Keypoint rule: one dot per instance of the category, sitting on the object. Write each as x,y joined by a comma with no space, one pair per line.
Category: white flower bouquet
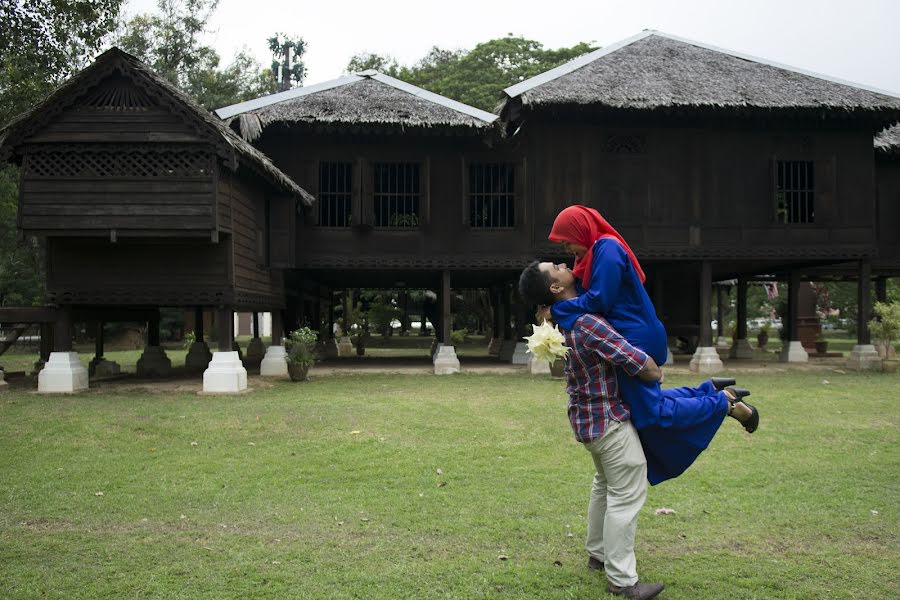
546,343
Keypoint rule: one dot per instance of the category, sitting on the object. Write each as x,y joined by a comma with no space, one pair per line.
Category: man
601,422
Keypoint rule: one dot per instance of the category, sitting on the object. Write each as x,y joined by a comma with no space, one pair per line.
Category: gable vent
117,94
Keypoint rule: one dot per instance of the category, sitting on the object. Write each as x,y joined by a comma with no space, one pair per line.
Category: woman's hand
543,314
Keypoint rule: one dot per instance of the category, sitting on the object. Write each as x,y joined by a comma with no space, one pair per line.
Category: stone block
274,363
63,374
494,346
225,374
256,350
345,347
154,363
106,368
507,349
741,350
864,357
446,361
794,352
706,361
198,357
537,366
520,354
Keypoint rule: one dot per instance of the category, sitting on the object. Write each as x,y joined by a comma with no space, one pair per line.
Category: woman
674,429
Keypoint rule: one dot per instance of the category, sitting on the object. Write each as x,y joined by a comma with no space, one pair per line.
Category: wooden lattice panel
117,94
118,164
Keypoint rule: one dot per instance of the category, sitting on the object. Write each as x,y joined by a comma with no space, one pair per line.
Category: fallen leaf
442,484
364,520
825,382
194,444
98,493
182,517
570,534
665,511
355,432
558,563
874,512
275,562
250,444
503,557
440,471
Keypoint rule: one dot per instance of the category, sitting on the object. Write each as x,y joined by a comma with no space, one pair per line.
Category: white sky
856,40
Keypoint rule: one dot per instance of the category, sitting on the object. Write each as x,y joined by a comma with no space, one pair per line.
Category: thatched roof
654,71
230,147
368,98
887,141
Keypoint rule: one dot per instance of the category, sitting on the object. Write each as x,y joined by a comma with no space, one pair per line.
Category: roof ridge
433,97
262,101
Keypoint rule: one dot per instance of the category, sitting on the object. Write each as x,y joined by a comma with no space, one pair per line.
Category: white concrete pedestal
445,360
494,346
154,363
706,361
225,375
741,349
864,358
256,350
273,363
722,341
670,358
105,368
537,366
198,357
345,347
507,349
3,384
793,352
520,354
63,374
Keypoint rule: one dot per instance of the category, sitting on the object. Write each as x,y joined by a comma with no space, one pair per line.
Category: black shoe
752,423
638,591
595,564
720,383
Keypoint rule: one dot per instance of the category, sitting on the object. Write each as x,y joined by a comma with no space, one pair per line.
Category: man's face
560,276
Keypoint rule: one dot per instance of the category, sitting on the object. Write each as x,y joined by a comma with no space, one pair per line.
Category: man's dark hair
534,285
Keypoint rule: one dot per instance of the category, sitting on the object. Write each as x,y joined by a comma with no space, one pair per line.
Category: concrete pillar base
864,358
507,349
345,347
3,384
63,374
722,341
706,361
537,366
225,375
445,360
494,346
256,350
328,348
741,350
520,354
273,363
793,352
198,357
154,363
38,366
105,368
670,358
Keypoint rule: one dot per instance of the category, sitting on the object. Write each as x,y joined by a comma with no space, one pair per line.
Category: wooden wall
888,180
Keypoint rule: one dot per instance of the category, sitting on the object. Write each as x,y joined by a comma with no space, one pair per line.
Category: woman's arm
608,269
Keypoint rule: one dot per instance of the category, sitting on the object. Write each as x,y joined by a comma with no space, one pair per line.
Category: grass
386,486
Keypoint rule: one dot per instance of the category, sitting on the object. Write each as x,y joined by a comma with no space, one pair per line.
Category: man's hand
543,314
651,371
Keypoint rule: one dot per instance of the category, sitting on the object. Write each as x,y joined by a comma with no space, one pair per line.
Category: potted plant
762,338
821,344
300,345
886,330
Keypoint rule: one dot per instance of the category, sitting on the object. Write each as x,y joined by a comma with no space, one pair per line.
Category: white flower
546,343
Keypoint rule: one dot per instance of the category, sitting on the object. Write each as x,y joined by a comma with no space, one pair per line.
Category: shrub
301,345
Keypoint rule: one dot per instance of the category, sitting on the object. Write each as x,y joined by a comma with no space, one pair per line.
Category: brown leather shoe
595,564
638,591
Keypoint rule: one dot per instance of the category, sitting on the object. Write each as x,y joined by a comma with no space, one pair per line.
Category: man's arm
600,337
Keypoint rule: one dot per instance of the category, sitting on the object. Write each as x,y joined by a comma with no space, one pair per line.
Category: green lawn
392,487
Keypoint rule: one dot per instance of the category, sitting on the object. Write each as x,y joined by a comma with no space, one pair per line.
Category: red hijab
584,226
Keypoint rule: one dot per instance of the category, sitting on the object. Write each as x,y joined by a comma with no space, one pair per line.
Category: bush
301,345
458,336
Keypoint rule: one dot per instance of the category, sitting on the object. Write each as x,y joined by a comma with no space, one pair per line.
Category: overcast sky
854,40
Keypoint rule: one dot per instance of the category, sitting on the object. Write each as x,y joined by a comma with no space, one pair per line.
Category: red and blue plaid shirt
595,350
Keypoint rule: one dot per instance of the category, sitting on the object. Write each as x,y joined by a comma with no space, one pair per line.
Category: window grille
492,198
397,194
122,164
795,192
335,194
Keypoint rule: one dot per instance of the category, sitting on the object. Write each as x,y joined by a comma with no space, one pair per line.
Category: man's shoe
638,591
595,564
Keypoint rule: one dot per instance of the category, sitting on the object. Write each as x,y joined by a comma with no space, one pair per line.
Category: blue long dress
675,425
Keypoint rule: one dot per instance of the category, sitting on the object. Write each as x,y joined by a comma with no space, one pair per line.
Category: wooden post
98,341
225,328
742,309
793,306
881,289
720,311
153,331
198,324
62,334
705,304
277,328
864,303
446,318
47,331
255,324
496,330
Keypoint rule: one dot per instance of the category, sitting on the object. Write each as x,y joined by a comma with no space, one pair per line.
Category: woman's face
574,249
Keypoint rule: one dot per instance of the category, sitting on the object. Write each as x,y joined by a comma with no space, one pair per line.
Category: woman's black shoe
720,383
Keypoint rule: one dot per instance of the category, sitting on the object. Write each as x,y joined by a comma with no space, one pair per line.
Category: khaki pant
617,495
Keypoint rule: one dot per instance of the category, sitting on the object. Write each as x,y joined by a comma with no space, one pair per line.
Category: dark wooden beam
793,306
225,328
278,328
742,309
864,303
446,317
29,315
198,324
705,304
62,333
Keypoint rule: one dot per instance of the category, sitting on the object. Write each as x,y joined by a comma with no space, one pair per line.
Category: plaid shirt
596,349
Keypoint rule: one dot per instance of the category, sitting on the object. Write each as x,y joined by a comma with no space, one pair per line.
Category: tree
169,42
475,77
42,42
287,60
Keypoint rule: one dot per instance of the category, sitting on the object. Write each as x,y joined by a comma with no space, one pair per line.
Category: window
396,194
492,198
335,194
795,191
